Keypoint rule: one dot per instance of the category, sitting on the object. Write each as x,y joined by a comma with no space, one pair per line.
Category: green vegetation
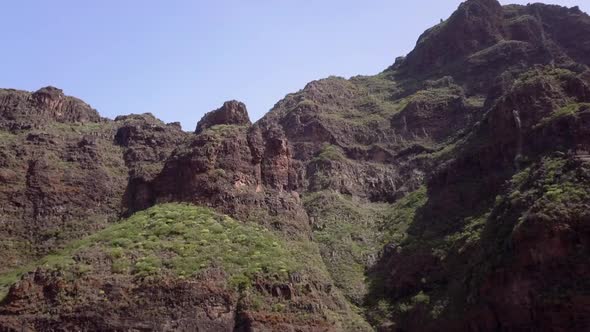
310,262
9,278
305,103
346,232
419,299
351,233
181,240
65,170
330,152
501,47
555,189
447,151
551,75
432,33
223,130
379,101
380,312
184,239
362,100
436,95
570,110
465,238
402,214
6,137
476,101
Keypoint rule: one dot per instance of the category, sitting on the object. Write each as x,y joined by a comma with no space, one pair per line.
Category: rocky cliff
449,192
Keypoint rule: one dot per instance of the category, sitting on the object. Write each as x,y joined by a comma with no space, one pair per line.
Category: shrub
181,239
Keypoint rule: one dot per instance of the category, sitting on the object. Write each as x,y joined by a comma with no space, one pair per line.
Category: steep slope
229,165
449,192
483,43
134,258
64,169
478,96
500,241
173,267
60,176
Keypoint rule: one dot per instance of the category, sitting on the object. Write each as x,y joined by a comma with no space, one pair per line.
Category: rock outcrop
64,169
449,192
62,178
231,113
24,110
147,144
483,43
231,166
202,304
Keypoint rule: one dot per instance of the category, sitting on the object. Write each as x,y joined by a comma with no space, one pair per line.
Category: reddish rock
24,110
231,113
237,170
486,95
119,303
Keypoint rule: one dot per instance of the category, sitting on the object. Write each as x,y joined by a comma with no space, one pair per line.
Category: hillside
449,192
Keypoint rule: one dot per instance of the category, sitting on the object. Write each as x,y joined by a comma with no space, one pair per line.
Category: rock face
506,231
199,305
449,192
475,26
204,303
23,110
64,170
114,281
483,42
231,113
147,143
234,167
61,176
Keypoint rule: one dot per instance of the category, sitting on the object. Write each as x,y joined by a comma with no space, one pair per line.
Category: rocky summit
450,192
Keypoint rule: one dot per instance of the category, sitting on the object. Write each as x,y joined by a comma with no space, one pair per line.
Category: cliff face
64,169
61,177
503,219
449,192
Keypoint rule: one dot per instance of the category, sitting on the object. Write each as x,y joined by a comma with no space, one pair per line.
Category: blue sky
179,59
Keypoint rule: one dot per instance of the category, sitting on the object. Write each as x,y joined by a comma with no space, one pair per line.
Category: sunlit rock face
449,192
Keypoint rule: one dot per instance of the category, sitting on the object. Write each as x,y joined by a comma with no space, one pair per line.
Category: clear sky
181,58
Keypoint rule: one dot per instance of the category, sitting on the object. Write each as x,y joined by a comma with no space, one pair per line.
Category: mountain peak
442,195
232,112
476,24
48,95
49,91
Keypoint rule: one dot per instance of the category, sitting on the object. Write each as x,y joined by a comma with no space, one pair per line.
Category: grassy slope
350,234
178,239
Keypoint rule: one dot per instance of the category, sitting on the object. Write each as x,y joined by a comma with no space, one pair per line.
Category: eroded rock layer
449,192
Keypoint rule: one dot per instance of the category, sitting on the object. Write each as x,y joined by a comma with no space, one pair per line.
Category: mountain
450,192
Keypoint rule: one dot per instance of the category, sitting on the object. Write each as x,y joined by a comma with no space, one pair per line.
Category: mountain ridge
448,192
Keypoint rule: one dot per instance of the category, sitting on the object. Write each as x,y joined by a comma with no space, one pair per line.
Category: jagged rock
231,113
521,242
234,169
483,40
203,304
469,157
68,178
476,25
21,110
148,142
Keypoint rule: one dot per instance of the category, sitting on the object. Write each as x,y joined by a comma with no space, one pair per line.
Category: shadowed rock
231,113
